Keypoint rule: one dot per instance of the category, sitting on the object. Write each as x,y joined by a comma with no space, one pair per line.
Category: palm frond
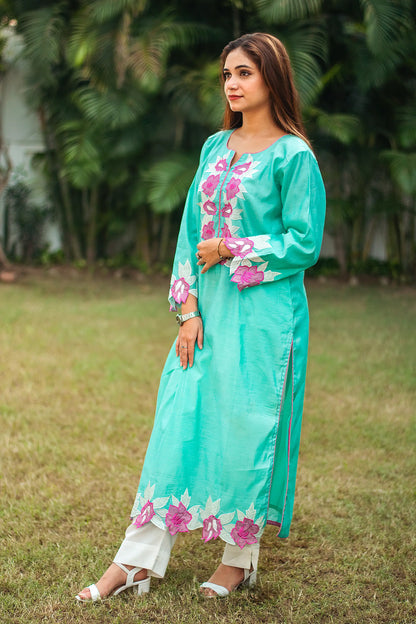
155,40
342,127
283,11
42,32
196,94
81,152
110,109
168,181
406,117
370,70
385,22
103,10
403,170
307,45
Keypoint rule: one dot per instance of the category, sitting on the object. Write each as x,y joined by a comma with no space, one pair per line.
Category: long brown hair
272,59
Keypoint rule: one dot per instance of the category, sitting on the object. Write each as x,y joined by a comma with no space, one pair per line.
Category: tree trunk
341,250
3,258
51,148
143,237
91,210
164,237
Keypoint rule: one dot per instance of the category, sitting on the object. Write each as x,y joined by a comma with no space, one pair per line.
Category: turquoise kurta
224,448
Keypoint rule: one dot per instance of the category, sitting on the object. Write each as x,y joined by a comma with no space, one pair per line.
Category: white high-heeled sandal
138,587
221,592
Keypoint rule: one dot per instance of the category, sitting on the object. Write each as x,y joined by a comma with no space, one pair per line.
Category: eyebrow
238,67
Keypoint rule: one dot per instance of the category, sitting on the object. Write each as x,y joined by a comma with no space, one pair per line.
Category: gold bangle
218,249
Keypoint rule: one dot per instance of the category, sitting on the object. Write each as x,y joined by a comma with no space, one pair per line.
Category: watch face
179,319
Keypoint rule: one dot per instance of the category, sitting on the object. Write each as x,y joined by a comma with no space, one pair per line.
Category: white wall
21,129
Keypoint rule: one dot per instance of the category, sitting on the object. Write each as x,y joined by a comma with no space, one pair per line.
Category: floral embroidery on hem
244,532
211,528
177,519
179,516
145,515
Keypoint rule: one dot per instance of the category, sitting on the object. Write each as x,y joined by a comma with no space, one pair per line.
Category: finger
191,351
177,346
200,337
183,355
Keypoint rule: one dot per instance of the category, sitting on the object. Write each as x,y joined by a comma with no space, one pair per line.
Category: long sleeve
184,280
275,256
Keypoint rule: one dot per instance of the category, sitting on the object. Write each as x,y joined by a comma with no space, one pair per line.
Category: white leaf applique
251,512
185,271
159,522
185,498
261,241
195,523
226,518
211,508
149,492
270,275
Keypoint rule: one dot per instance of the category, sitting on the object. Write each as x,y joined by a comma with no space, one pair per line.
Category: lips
234,97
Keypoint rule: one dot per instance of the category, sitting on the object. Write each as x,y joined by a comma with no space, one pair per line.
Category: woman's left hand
207,253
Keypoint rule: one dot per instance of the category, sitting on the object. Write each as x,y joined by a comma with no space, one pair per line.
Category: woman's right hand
190,332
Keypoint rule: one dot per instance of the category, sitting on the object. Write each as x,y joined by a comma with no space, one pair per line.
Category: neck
257,123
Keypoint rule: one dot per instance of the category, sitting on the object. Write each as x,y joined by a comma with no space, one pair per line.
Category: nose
232,83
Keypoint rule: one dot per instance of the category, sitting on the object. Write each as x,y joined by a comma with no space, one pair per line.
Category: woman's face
244,86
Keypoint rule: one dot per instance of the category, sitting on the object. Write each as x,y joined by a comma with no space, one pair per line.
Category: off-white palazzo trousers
149,547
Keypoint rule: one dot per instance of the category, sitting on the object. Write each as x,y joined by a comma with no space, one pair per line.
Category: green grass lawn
80,365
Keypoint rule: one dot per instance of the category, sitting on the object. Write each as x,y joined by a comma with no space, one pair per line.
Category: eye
244,72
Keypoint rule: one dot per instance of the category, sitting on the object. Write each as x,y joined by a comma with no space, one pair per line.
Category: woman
224,448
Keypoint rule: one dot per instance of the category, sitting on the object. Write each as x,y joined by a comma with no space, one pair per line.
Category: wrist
223,250
182,318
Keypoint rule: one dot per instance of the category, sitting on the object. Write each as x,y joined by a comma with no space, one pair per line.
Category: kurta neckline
230,132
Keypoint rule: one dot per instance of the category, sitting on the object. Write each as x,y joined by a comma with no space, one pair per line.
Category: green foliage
283,11
127,90
26,218
168,181
403,170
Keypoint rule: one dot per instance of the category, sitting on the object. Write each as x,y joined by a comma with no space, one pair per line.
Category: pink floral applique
225,231
209,207
242,168
227,210
146,514
232,187
180,290
244,532
210,184
246,276
221,165
177,519
211,529
208,230
239,246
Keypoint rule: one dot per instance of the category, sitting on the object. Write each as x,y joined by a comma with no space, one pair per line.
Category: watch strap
181,318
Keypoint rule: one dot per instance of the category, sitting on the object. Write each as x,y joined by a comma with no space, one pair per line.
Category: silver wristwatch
181,318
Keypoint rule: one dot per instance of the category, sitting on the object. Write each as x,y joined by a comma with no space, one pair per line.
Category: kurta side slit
224,447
